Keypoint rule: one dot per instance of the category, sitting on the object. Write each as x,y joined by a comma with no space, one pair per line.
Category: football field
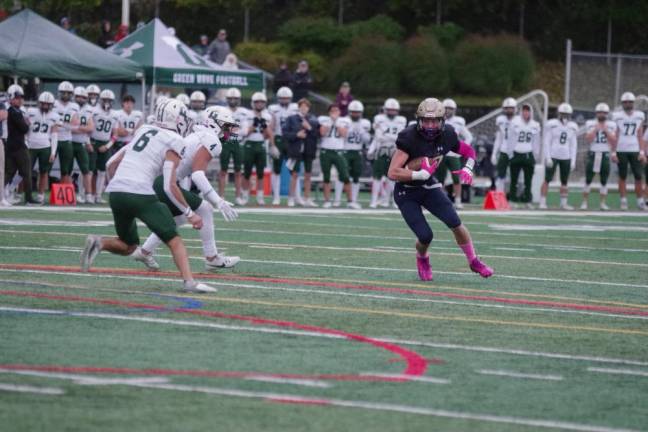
325,326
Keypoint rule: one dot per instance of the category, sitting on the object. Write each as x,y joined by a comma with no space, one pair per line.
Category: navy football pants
411,199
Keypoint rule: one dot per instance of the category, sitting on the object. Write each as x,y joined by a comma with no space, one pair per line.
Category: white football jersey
86,112
628,129
280,113
459,125
503,140
241,115
257,134
40,127
130,122
196,116
200,137
333,140
560,139
66,113
525,136
600,142
143,160
358,135
104,123
386,129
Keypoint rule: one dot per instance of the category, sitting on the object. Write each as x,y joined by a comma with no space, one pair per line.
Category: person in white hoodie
525,144
560,144
502,153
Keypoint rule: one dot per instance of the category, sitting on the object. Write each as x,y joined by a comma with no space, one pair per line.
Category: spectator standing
231,62
219,48
67,25
122,32
17,155
283,77
105,39
3,137
302,80
344,98
202,46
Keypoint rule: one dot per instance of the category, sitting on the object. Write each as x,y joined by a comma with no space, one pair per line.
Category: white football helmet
449,103
628,97
93,93
15,91
66,86
356,106
565,108
197,100
430,108
221,121
391,104
171,114
258,97
233,93
284,93
80,95
509,102
107,97
182,97
46,101
602,107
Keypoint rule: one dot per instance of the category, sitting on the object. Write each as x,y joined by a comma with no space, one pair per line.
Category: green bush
321,35
267,56
426,70
379,25
493,65
371,65
447,34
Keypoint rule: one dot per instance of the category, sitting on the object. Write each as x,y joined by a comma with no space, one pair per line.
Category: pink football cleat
424,268
479,267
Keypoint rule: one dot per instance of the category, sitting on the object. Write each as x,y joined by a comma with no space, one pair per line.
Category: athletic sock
543,201
338,191
355,190
563,200
206,212
275,181
468,250
375,190
101,182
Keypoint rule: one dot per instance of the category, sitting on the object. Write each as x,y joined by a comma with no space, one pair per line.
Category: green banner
201,78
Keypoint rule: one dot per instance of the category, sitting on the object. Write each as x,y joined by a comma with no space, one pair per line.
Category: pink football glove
465,175
431,168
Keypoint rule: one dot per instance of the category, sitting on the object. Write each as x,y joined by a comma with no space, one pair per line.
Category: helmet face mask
45,102
45,107
65,96
284,101
259,105
106,104
627,105
197,105
355,115
198,101
430,118
449,112
221,122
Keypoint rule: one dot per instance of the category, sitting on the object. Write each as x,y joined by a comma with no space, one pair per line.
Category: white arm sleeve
498,142
54,142
546,148
201,182
167,172
572,148
467,136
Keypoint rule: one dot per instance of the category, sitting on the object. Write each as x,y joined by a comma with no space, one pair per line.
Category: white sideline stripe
519,375
540,354
54,391
592,228
513,249
619,371
524,258
294,381
559,356
415,299
253,246
423,379
88,379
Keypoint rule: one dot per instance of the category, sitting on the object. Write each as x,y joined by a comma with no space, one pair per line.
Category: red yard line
375,288
415,363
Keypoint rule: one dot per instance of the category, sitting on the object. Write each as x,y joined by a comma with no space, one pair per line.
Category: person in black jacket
283,77
302,80
301,133
17,155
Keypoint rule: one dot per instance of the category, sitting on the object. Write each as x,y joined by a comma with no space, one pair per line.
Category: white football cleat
99,199
291,202
373,205
566,207
310,203
4,203
530,206
584,205
542,206
80,199
300,201
604,207
276,201
239,201
221,261
327,204
260,200
624,204
641,205
197,287
89,199
354,205
458,205
146,259
90,251
40,198
337,203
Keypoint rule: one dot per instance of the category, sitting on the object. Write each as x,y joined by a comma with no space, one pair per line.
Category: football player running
502,148
628,148
357,137
130,120
599,133
81,143
280,112
232,147
386,128
202,145
155,149
334,130
430,139
452,161
68,112
259,129
560,142
525,136
42,139
197,105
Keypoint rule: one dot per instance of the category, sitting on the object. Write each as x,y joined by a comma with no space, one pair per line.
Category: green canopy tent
168,62
32,46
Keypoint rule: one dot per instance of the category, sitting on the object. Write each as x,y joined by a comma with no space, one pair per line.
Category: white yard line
422,379
619,371
512,374
205,324
54,391
293,381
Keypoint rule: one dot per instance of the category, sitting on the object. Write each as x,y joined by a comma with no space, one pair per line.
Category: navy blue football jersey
412,142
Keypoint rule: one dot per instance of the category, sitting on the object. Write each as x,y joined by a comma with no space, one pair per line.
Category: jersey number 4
143,141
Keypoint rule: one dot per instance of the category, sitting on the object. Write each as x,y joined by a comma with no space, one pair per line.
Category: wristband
188,212
470,164
420,175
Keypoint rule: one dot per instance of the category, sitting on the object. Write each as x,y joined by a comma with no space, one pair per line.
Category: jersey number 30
143,141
